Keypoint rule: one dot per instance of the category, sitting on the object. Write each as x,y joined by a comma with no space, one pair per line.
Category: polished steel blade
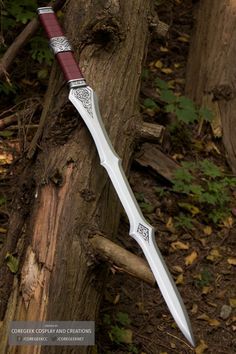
85,101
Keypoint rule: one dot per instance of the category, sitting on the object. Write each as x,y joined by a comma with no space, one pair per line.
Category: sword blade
85,101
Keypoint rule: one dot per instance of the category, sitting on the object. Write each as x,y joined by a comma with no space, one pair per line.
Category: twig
21,40
180,340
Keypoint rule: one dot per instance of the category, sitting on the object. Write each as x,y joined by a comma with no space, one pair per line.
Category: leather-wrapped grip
59,44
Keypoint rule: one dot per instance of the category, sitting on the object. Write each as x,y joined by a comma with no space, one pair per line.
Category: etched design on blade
60,44
143,231
84,95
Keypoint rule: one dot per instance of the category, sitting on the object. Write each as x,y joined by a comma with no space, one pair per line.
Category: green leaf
161,84
167,96
210,169
6,133
206,114
196,189
149,103
186,115
185,103
183,221
12,263
120,335
183,174
170,108
123,318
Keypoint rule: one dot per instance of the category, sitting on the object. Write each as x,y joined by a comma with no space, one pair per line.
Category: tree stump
65,196
211,67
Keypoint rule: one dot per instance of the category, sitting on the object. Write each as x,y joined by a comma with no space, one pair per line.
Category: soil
133,315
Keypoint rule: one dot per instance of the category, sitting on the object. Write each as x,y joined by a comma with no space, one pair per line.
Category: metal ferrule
77,83
60,44
45,10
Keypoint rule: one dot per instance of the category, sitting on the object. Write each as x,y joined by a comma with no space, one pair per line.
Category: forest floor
134,317
198,250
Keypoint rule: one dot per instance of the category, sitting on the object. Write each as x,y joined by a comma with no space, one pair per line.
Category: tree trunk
211,67
65,195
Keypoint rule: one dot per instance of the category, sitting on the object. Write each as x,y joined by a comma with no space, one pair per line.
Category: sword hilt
59,44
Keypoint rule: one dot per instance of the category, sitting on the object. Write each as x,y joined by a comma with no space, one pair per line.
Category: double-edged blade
85,101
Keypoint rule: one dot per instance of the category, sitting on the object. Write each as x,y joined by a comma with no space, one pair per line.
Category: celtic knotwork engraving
143,231
60,44
85,96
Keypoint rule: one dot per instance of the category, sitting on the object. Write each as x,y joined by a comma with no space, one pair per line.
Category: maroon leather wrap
66,60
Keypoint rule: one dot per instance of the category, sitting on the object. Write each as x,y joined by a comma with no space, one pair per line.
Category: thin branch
21,40
122,260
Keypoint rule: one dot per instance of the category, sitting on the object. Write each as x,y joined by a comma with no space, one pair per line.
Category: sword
85,101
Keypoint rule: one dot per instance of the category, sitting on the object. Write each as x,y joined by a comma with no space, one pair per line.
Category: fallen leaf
164,49
3,230
179,279
203,317
232,261
214,255
178,245
214,322
170,225
177,65
228,222
206,290
158,64
178,269
232,303
167,70
191,258
207,230
184,38
194,309
201,347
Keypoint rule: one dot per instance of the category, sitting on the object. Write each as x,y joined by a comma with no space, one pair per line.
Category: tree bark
67,194
211,67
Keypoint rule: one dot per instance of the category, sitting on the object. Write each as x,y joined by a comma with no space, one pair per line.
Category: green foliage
185,109
12,263
20,12
40,51
17,11
205,190
183,221
149,103
118,330
204,279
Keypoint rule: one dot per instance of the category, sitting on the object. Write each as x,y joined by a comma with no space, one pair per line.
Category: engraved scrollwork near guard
84,95
60,44
143,231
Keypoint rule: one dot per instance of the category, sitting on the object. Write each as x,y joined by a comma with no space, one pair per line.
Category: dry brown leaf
228,222
207,230
178,245
194,309
203,317
178,269
214,322
232,261
164,49
179,279
232,303
201,347
191,258
158,64
167,70
206,290
214,255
